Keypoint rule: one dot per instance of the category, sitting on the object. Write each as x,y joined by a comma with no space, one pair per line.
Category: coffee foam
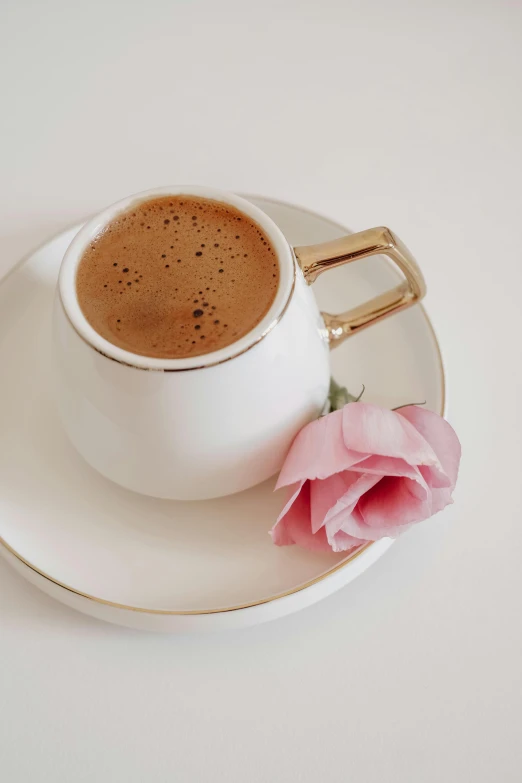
177,276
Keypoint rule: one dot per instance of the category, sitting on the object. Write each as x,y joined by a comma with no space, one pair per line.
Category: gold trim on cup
260,337
105,348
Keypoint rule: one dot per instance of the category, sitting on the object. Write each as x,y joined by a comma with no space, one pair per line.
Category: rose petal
440,435
395,502
339,516
318,451
387,466
440,498
392,510
300,502
294,527
326,495
342,542
372,430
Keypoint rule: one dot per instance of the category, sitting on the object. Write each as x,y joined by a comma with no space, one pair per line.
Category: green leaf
339,396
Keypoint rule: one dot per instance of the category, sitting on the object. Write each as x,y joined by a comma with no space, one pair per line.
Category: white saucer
166,565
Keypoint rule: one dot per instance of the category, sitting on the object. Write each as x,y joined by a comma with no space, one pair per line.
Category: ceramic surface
173,565
200,427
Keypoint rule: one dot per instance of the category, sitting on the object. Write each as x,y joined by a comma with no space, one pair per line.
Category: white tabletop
397,113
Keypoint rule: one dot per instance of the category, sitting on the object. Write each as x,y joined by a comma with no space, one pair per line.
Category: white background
407,114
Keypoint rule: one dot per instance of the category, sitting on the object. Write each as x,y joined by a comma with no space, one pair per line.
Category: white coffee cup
219,423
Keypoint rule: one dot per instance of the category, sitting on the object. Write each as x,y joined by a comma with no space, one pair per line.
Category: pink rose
363,473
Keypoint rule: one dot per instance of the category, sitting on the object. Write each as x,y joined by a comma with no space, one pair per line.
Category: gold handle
315,259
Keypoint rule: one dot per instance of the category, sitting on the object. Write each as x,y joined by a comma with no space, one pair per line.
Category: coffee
177,276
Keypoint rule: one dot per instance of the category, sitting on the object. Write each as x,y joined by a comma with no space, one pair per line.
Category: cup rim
67,281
